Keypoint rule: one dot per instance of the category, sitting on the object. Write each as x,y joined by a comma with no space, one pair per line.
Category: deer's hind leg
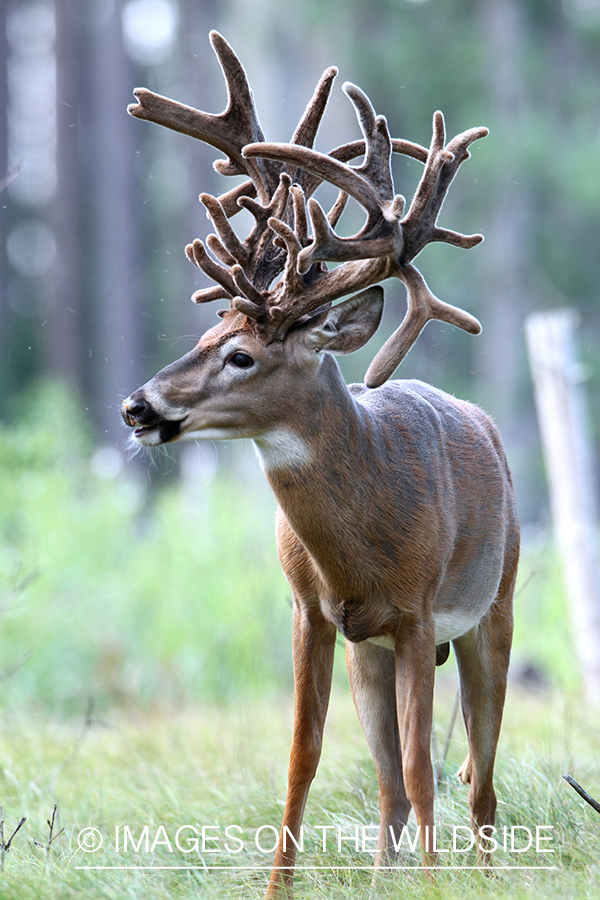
372,675
483,655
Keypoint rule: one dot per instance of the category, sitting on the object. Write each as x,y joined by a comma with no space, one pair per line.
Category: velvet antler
278,194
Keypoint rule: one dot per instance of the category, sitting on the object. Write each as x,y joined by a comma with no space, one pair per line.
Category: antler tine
349,151
229,200
300,220
376,167
206,295
436,158
419,225
370,184
458,147
296,296
326,168
249,267
423,306
306,130
228,131
382,238
196,253
291,276
228,237
335,213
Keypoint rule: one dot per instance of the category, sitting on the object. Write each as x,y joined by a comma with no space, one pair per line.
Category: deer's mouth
159,432
149,427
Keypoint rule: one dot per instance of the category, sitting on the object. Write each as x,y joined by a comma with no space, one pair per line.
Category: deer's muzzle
138,413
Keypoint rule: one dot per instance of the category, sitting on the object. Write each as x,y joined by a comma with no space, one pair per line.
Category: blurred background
152,579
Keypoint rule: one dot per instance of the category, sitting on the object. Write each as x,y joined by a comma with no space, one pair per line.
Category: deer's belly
448,625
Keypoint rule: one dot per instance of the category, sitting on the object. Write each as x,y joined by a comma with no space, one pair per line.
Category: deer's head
281,319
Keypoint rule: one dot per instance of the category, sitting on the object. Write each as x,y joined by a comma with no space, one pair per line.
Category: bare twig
5,845
440,765
582,793
51,836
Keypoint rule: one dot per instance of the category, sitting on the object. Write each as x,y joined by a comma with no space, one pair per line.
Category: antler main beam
283,178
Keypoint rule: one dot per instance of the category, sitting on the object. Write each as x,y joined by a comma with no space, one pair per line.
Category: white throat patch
281,449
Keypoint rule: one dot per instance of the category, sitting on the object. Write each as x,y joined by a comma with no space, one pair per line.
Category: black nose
135,408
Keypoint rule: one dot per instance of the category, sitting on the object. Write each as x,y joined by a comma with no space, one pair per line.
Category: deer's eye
241,360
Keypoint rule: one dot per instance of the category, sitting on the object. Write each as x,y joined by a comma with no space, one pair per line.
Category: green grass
209,767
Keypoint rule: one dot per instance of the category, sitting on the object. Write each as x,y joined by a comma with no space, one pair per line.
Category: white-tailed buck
396,521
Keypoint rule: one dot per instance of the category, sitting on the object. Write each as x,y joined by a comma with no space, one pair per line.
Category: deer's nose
134,408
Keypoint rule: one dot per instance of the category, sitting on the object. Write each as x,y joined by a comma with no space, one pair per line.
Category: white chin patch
150,438
209,434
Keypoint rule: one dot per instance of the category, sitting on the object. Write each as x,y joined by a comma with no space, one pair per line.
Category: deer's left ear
349,325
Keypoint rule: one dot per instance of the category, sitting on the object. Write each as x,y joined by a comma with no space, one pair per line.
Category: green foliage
543,635
125,593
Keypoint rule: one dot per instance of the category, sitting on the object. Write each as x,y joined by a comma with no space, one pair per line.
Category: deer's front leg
313,649
415,673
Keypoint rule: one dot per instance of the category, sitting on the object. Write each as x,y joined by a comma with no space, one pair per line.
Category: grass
226,767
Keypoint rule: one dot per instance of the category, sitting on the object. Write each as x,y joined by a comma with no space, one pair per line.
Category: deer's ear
349,325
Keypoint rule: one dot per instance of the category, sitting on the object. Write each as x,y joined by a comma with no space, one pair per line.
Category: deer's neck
325,474
316,434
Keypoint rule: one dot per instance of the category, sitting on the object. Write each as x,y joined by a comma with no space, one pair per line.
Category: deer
396,516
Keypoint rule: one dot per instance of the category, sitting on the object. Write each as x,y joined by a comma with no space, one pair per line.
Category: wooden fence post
563,420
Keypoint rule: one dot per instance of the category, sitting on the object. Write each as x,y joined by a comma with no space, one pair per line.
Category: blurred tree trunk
568,451
64,341
3,203
507,247
3,93
198,65
115,241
